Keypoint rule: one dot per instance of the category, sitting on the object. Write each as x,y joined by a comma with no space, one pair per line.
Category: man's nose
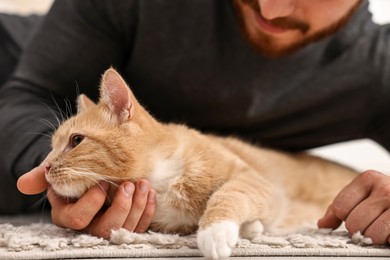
271,9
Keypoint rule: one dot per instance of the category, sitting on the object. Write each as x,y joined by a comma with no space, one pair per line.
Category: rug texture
34,237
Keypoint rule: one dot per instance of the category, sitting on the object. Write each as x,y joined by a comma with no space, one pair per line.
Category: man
286,73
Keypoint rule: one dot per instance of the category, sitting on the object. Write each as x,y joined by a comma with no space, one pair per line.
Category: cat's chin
69,192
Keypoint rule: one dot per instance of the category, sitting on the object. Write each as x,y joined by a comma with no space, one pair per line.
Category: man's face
280,27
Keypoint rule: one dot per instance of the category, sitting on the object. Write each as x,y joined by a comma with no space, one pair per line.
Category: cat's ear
115,93
83,103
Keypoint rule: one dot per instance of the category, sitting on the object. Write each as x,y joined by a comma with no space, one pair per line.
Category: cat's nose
47,167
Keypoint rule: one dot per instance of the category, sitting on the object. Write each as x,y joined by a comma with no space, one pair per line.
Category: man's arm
51,67
76,42
24,140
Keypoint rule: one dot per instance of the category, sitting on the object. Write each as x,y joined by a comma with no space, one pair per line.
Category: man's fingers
115,216
139,203
131,208
360,218
32,182
354,193
372,216
329,220
78,215
347,201
147,216
379,230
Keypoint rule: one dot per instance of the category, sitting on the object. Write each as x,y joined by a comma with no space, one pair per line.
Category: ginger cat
221,187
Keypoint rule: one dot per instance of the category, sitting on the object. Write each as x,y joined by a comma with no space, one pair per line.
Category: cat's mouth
69,191
73,190
67,182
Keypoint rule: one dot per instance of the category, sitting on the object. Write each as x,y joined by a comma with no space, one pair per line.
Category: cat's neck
166,159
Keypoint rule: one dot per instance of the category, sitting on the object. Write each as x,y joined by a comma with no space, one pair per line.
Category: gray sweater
188,62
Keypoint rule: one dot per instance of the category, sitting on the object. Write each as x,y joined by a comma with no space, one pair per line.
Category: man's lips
280,25
267,26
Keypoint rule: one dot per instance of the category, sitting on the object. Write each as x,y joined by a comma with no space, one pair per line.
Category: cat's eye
75,140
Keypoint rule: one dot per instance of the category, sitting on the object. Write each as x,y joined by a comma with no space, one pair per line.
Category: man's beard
264,42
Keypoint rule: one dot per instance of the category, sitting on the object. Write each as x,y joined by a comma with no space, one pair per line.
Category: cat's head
103,141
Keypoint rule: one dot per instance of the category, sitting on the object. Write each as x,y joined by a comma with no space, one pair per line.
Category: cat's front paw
216,241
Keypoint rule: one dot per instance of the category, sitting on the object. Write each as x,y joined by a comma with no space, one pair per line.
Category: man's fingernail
143,186
129,188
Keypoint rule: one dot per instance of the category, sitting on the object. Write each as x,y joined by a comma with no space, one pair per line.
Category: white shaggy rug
33,237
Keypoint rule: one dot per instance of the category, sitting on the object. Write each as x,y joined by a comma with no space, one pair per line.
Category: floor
251,258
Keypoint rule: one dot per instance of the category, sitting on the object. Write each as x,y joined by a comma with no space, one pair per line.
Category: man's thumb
32,182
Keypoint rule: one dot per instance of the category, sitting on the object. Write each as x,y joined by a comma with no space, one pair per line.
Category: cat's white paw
216,241
250,230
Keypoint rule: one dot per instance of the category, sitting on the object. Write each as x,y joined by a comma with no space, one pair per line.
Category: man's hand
132,208
364,205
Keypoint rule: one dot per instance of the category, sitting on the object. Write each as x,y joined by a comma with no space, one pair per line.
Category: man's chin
276,53
273,50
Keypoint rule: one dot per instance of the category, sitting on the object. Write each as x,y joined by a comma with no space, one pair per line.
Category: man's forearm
27,120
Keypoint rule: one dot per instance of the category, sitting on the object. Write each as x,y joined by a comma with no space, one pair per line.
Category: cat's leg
252,229
247,197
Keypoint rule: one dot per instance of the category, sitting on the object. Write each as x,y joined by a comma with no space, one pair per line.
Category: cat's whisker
40,203
99,176
57,113
68,108
68,184
95,177
77,89
62,116
48,123
41,134
58,120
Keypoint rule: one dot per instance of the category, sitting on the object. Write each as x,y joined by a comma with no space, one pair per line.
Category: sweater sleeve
379,129
75,43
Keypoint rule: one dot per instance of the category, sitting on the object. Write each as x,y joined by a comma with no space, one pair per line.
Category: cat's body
205,182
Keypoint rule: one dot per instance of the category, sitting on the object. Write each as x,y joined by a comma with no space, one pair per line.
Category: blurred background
25,6
380,8
360,154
